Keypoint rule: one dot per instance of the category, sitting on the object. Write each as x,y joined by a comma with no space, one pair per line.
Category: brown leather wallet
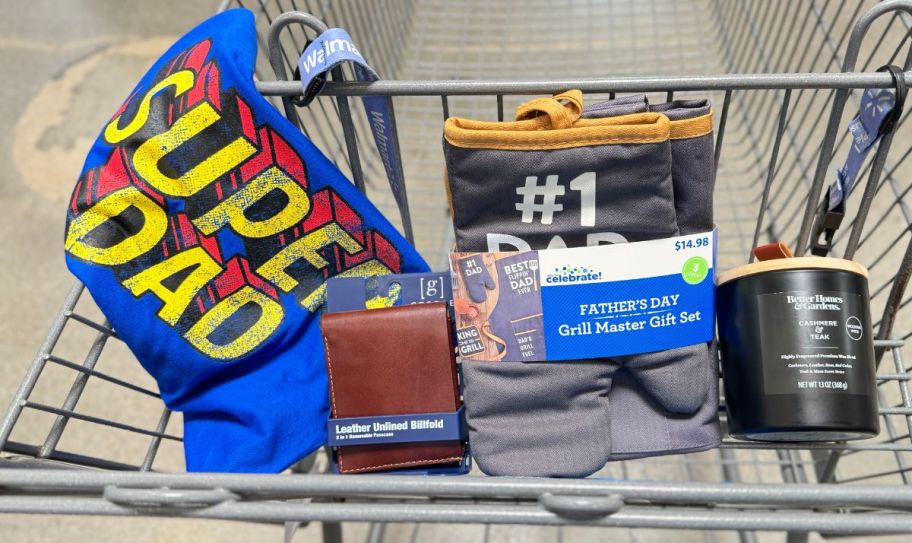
392,361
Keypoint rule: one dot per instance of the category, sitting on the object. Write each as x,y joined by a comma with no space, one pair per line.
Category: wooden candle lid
797,263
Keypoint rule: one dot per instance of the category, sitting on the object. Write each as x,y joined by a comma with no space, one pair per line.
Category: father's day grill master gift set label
587,302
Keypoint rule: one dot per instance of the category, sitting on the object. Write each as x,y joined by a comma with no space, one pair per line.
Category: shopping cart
785,78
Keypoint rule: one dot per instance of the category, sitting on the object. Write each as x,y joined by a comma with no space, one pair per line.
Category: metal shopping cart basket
785,78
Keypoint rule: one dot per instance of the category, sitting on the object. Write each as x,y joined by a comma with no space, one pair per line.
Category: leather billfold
392,361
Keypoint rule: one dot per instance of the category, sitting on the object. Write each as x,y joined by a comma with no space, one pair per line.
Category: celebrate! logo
572,274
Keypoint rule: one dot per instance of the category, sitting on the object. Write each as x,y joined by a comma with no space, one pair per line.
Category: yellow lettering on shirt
271,314
182,81
148,156
231,209
154,225
205,269
273,270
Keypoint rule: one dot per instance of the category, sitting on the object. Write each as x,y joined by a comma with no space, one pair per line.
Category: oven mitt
538,419
693,171
476,278
641,427
553,179
205,226
678,378
550,418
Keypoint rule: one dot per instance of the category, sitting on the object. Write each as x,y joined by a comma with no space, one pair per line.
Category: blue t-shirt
205,226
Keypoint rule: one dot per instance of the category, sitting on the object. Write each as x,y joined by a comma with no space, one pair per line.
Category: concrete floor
68,66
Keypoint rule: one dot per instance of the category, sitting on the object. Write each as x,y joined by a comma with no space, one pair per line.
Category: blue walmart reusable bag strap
878,116
330,49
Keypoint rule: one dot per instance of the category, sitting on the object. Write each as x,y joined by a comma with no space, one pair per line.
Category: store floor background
67,66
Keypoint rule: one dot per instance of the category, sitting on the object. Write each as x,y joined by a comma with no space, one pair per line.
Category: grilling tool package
561,176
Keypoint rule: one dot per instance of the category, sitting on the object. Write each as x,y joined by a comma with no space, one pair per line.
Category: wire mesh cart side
785,79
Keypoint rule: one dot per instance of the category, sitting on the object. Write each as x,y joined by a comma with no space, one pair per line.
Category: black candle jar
797,350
